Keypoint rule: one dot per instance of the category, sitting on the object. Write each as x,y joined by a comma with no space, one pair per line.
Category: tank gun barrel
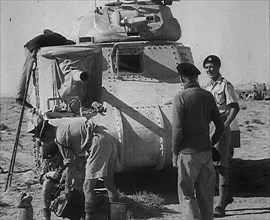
80,76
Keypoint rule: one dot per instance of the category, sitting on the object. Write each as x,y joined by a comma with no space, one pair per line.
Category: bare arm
218,124
69,163
233,111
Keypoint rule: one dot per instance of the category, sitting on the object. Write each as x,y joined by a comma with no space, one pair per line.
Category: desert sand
250,173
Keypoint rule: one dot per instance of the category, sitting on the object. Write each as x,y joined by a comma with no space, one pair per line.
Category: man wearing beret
193,110
227,103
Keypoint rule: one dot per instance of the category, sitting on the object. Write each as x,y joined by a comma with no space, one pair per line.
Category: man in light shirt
227,103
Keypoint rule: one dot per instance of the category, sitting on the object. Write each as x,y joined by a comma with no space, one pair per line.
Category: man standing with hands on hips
227,103
193,110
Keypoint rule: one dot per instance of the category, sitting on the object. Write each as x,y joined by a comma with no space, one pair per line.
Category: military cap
187,69
212,59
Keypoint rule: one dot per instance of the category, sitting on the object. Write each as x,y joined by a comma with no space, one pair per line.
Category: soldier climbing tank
121,74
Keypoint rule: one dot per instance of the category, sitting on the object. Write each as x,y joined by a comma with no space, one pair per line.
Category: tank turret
128,21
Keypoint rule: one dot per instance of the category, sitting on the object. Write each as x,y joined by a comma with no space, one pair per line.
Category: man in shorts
78,138
227,103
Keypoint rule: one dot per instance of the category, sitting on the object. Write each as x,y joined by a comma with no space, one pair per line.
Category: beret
212,59
187,69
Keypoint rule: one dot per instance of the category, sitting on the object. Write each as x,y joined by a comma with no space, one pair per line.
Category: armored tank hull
138,104
126,68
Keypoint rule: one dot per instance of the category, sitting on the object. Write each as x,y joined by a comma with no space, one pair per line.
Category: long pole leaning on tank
14,153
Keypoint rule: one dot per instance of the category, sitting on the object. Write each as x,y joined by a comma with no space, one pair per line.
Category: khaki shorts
223,147
103,159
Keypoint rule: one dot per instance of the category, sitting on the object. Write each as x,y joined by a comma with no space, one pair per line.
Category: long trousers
196,182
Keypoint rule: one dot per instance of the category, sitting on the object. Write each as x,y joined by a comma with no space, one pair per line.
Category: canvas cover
68,71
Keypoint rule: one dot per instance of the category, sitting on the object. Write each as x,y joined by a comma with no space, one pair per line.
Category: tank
121,74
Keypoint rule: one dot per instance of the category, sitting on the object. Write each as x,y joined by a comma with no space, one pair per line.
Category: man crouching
74,140
50,177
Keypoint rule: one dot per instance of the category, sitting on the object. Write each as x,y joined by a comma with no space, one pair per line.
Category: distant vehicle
121,74
258,92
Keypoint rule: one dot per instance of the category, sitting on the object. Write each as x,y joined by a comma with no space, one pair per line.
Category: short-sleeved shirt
223,93
81,137
75,137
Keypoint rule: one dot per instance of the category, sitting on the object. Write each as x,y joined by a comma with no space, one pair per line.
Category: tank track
37,154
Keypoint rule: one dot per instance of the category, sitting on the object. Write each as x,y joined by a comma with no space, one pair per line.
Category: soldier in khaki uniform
76,139
227,103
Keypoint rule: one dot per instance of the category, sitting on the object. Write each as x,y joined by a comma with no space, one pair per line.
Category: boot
228,200
89,209
219,210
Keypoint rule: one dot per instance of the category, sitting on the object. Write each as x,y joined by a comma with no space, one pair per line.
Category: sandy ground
250,173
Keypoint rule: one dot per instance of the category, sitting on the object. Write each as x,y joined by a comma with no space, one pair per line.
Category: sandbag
25,209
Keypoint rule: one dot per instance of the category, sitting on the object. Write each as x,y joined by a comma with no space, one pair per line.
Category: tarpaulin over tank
72,71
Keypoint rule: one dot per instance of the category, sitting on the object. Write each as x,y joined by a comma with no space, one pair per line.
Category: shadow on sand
163,183
250,178
250,211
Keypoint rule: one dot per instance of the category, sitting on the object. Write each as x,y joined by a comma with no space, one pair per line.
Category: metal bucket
117,211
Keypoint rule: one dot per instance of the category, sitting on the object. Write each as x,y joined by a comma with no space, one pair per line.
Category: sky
236,31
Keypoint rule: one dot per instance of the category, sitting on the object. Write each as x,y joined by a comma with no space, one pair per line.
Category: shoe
228,200
218,212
